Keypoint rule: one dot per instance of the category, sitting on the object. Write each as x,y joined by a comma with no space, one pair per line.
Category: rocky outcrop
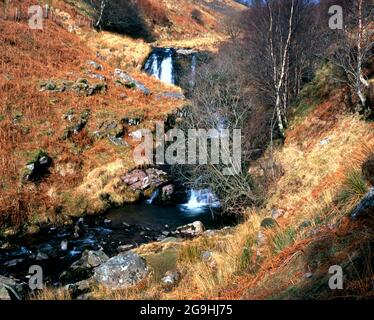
142,179
76,126
122,271
38,167
124,79
81,86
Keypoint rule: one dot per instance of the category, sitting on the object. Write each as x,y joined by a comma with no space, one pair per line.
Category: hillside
285,250
45,91
73,103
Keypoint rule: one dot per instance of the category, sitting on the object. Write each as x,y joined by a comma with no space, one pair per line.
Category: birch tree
354,47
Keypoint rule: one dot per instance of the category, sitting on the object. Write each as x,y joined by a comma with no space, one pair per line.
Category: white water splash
161,66
201,200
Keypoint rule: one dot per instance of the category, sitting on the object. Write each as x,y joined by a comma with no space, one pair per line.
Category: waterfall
153,196
201,199
160,65
193,70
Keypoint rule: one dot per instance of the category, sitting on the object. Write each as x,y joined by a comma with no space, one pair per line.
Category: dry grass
32,120
321,185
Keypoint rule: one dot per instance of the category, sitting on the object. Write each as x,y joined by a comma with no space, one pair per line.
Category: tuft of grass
283,239
354,187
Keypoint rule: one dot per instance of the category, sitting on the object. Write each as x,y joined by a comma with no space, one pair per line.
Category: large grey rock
365,207
82,268
121,271
90,259
192,229
9,289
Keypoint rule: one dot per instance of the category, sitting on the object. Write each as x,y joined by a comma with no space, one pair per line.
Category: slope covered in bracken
32,120
285,249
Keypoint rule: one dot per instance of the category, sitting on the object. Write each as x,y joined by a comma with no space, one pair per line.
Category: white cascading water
193,70
167,70
161,66
200,200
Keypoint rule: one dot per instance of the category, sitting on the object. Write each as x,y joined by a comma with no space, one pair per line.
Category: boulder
9,289
167,192
140,179
170,279
365,207
95,65
122,271
38,167
125,247
268,223
192,229
83,267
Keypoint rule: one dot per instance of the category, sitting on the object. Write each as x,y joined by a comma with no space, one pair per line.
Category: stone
13,262
171,278
119,142
206,255
128,81
277,213
91,259
96,76
136,134
83,267
95,65
167,192
122,271
41,256
125,247
4,293
171,240
365,207
38,167
193,229
171,95
269,223
9,289
139,179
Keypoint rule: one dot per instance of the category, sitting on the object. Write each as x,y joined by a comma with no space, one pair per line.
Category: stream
55,249
120,229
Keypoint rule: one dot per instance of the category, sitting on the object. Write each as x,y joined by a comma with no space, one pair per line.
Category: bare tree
221,100
232,26
103,4
278,37
353,46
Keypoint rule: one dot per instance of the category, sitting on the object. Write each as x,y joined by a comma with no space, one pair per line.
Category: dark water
156,217
133,224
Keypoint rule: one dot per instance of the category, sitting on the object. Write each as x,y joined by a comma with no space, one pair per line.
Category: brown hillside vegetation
322,183
32,120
